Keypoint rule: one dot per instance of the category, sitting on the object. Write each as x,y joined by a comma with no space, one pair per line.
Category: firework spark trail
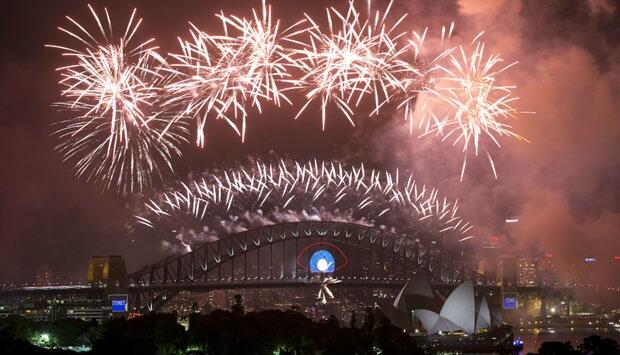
113,89
419,77
219,74
132,92
238,199
480,107
353,59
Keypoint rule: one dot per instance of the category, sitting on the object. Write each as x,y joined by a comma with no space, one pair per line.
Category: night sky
564,185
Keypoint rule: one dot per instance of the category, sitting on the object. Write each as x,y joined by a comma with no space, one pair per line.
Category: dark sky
564,185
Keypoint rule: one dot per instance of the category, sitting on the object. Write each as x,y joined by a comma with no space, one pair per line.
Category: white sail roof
428,318
445,325
417,286
460,307
483,320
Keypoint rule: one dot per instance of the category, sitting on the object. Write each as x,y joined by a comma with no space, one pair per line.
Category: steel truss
266,257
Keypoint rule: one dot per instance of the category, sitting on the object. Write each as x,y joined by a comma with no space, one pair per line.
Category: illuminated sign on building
119,303
322,261
321,257
510,301
119,306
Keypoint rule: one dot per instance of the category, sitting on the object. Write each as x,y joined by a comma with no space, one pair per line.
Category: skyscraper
527,273
506,271
108,271
44,275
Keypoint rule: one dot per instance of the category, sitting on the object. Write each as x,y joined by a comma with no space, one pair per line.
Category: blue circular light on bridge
322,261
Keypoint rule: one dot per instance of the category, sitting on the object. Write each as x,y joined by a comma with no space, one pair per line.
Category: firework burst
228,201
353,59
421,68
112,87
219,75
132,107
480,107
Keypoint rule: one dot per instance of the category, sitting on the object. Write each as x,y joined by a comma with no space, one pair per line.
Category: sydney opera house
441,320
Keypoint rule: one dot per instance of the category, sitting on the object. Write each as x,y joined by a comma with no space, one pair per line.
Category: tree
18,327
68,332
595,345
392,340
353,320
369,319
11,345
169,337
237,308
557,348
348,341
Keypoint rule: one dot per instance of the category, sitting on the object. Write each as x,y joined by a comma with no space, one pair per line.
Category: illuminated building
101,299
527,272
85,313
108,271
546,270
44,275
506,271
417,304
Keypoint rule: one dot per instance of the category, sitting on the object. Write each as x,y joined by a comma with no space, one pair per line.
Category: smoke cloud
563,185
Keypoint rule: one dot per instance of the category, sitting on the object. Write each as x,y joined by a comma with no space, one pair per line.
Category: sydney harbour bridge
278,256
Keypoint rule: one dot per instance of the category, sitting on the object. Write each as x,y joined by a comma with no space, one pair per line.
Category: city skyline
561,186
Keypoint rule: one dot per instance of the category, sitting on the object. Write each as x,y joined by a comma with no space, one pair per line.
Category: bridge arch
267,257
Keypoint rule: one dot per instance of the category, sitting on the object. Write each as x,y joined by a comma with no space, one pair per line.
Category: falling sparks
132,107
480,106
226,201
220,75
112,87
324,291
354,58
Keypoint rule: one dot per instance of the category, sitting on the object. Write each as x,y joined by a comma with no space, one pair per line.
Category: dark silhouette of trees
369,319
392,340
592,345
348,341
557,348
148,334
18,327
595,345
70,332
353,320
235,332
237,308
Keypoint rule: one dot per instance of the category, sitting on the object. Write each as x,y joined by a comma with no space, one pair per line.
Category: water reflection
532,341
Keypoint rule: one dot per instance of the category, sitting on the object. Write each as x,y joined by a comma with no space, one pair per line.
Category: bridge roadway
65,290
68,290
374,258
167,292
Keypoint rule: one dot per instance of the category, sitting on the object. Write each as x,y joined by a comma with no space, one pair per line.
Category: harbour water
531,342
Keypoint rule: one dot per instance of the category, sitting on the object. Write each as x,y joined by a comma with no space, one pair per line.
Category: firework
112,89
229,201
480,108
324,290
218,75
419,75
132,107
355,58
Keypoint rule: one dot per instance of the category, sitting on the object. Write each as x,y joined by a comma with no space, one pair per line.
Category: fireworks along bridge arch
280,255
